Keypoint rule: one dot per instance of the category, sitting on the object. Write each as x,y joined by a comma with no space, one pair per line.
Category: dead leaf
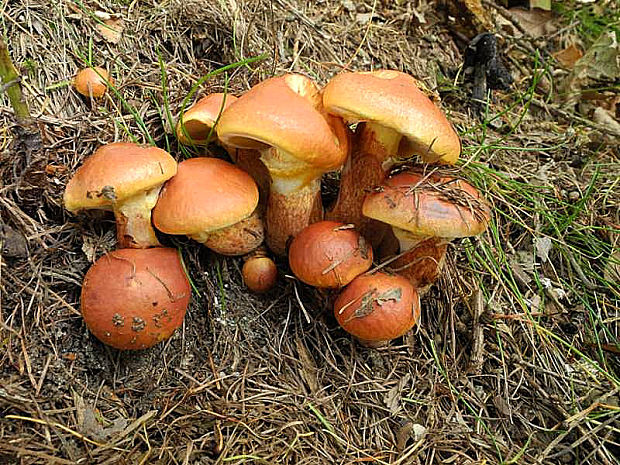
536,22
91,426
569,56
604,118
542,4
89,247
543,246
308,371
600,64
501,405
111,29
392,398
612,269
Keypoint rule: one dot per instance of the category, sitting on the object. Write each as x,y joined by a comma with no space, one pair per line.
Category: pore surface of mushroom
426,211
329,254
396,121
126,178
283,118
213,202
133,299
378,307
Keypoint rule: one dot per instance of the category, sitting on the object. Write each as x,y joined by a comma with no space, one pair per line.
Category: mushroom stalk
238,239
133,221
374,150
293,204
423,261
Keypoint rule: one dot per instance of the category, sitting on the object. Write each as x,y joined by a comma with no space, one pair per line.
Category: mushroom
198,121
259,271
133,299
196,126
126,178
283,118
396,120
377,308
426,211
329,254
213,202
92,82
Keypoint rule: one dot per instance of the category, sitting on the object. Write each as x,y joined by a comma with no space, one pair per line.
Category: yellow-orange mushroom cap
393,100
213,202
126,178
283,118
198,121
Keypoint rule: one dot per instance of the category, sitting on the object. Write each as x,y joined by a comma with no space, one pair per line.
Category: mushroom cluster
282,136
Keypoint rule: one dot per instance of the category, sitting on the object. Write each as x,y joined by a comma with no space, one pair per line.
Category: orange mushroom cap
329,254
198,120
286,113
116,172
206,194
135,298
205,200
92,82
259,273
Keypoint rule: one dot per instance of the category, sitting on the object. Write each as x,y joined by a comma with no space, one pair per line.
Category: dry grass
516,357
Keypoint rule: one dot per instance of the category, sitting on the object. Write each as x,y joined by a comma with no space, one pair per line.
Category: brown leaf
600,64
393,396
111,29
536,22
569,56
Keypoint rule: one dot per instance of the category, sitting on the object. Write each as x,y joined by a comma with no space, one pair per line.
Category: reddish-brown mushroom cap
126,178
329,254
426,211
392,99
133,299
429,205
377,308
91,82
198,121
207,196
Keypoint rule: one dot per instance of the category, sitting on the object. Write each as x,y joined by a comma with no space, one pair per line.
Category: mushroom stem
374,149
238,239
290,208
423,262
133,221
